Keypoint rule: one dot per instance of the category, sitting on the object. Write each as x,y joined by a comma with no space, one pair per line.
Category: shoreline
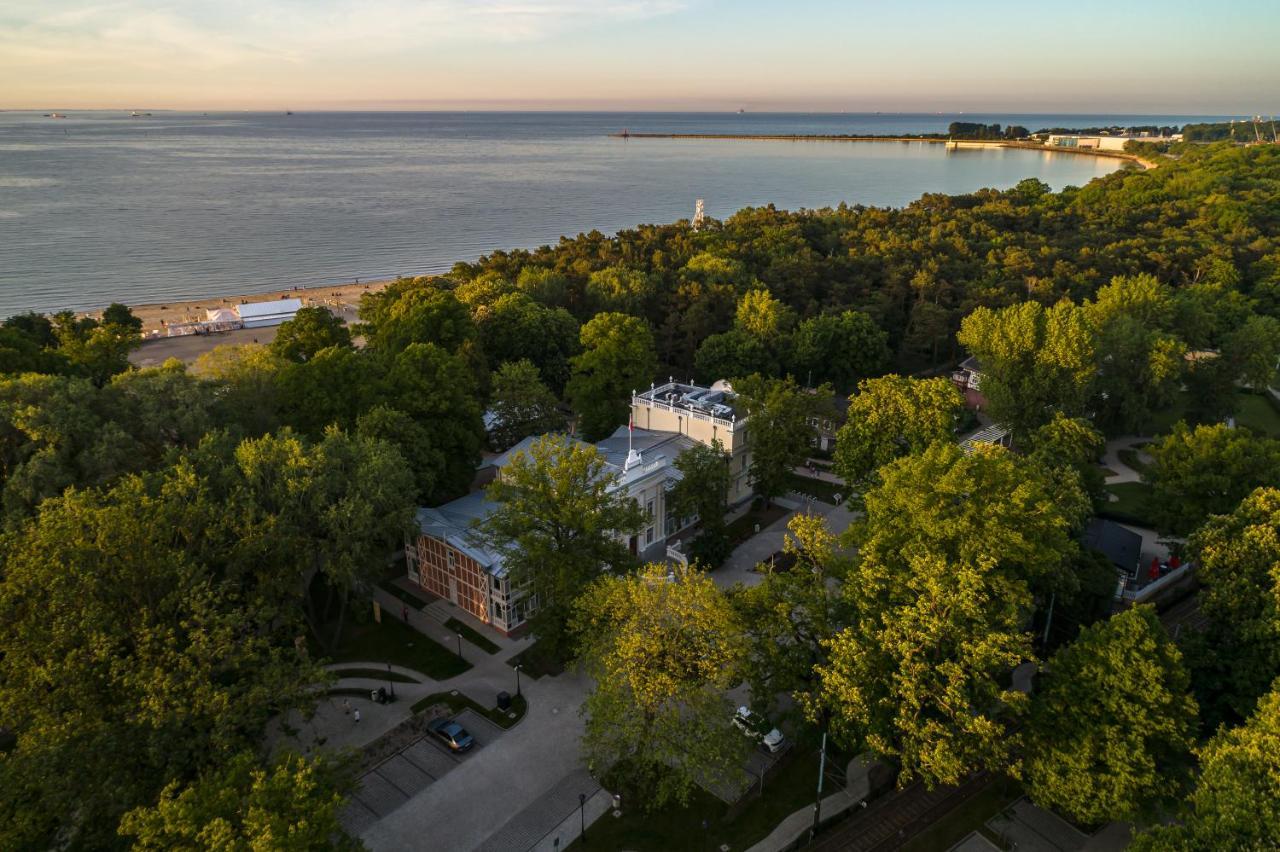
932,140
344,298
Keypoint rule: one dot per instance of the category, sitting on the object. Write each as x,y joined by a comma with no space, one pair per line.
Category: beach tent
221,315
263,314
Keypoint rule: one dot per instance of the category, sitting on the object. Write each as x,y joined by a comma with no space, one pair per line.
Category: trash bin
382,695
373,696
504,701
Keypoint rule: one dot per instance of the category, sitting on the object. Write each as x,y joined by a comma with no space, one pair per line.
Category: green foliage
617,359
557,525
703,490
839,349
1206,471
733,354
1236,802
1035,361
891,417
662,648
292,805
311,329
779,429
1239,557
421,311
1111,723
1072,444
789,615
521,404
515,328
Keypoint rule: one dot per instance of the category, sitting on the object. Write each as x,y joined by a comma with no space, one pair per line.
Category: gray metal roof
1120,545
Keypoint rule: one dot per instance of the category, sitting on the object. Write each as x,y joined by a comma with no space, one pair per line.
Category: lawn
821,489
969,816
473,636
536,661
1133,507
745,527
374,674
681,828
459,702
394,642
1254,412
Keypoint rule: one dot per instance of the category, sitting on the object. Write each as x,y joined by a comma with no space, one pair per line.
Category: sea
99,207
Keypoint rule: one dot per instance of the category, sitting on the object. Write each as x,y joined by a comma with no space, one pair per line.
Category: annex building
449,561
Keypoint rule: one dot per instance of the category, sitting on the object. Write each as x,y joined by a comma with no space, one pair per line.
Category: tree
246,375
703,491
1235,803
791,614
762,315
521,405
621,289
1206,471
918,675
1035,361
127,658
93,350
891,417
422,312
438,391
732,355
416,443
122,317
1072,444
1253,351
311,329
558,523
617,359
662,647
1113,722
516,328
779,413
1238,556
840,349
291,805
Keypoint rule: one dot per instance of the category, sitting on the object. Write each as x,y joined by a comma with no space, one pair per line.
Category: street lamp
582,814
459,638
391,682
517,680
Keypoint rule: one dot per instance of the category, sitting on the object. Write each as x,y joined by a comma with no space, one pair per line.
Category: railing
693,413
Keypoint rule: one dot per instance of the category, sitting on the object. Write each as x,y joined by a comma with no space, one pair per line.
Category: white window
648,508
648,536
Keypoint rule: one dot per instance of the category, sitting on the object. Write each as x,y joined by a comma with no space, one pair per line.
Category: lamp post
582,814
517,667
391,682
458,636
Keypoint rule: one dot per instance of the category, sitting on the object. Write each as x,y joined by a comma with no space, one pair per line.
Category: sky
1121,56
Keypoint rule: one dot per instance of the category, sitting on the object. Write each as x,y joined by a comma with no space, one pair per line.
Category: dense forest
181,545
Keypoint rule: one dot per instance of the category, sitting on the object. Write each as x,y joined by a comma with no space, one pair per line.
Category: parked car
451,734
754,725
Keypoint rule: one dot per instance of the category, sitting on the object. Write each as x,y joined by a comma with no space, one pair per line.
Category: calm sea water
101,207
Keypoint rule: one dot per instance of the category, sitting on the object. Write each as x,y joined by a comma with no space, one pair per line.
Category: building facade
448,560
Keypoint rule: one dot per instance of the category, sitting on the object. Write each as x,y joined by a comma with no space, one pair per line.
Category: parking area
396,780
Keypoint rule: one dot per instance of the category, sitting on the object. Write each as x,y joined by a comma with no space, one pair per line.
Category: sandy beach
343,299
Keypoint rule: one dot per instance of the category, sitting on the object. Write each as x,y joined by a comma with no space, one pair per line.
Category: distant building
265,314
1121,545
969,374
1102,143
448,560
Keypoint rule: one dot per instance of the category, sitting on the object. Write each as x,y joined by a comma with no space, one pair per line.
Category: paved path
1121,472
740,566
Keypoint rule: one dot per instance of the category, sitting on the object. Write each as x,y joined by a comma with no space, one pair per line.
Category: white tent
221,315
263,314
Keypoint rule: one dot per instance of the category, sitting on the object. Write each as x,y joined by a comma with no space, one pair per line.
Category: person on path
357,716
346,707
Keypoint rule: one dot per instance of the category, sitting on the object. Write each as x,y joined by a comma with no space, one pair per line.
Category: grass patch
1131,456
374,674
819,488
969,816
458,703
1255,413
473,636
394,642
680,829
537,660
743,528
1161,422
1134,505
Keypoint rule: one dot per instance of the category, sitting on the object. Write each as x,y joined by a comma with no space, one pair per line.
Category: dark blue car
451,734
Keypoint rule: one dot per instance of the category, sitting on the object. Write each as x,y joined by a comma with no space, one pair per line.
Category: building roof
717,402
971,364
453,522
264,310
1119,544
